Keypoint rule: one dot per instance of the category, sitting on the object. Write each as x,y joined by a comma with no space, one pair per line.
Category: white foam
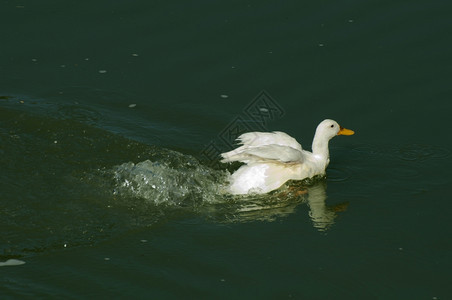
11,262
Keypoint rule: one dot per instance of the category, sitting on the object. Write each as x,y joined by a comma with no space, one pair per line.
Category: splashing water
175,180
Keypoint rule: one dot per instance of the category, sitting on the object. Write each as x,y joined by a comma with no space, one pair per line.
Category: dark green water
107,109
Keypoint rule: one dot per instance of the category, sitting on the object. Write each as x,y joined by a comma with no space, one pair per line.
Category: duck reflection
286,201
322,216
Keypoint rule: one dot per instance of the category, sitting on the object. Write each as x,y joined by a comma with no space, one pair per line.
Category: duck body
273,158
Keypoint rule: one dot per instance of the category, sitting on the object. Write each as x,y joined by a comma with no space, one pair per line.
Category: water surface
106,110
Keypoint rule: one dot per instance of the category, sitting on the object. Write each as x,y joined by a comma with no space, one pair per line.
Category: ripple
338,175
419,152
79,113
410,152
82,94
369,150
404,171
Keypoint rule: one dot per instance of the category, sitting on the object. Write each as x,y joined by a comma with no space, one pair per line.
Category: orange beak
345,131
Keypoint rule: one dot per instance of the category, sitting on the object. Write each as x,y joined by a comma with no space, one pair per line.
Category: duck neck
320,148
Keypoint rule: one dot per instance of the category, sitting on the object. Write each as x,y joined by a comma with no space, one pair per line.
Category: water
107,111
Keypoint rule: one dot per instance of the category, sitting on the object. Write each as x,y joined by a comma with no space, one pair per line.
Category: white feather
261,146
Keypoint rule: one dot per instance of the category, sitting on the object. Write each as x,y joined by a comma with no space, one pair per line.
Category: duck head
329,128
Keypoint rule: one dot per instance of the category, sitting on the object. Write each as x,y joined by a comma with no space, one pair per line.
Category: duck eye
332,126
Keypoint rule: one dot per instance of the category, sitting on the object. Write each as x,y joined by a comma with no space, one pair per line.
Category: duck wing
265,146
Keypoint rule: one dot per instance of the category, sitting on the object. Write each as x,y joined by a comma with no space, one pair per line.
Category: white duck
272,158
